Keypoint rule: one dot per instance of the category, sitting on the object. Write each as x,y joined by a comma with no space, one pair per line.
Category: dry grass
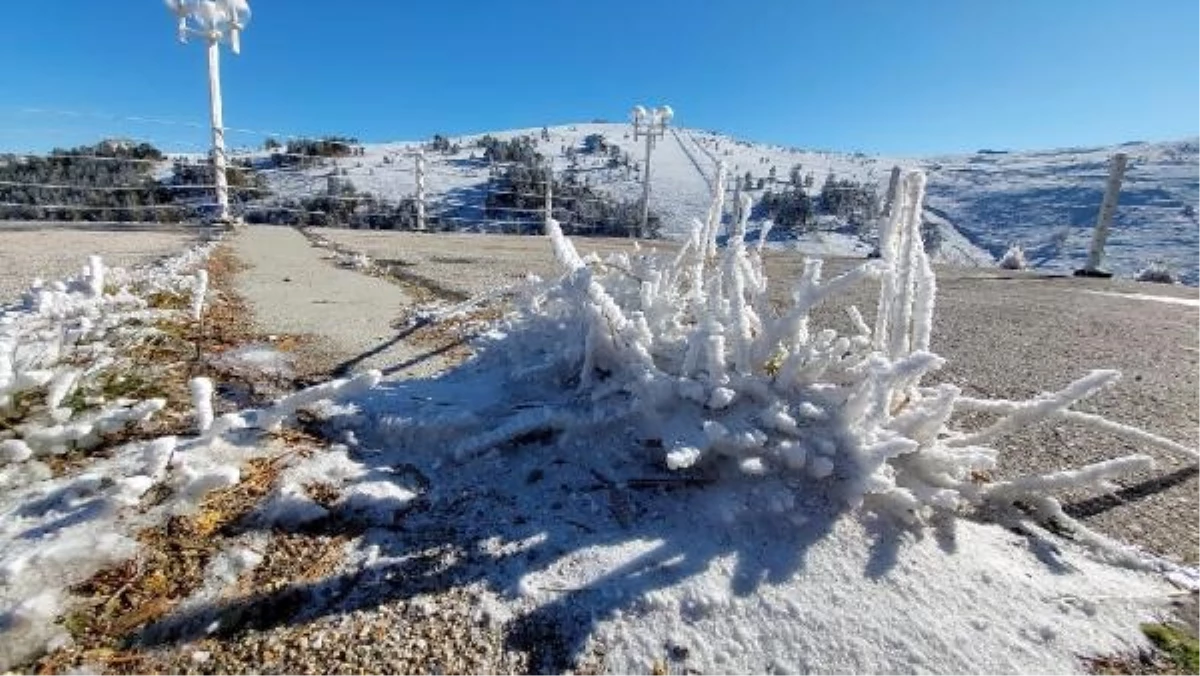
117,601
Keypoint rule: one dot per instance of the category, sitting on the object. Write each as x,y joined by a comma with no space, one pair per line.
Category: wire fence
284,181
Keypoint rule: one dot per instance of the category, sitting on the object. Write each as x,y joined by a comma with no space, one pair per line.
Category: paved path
295,287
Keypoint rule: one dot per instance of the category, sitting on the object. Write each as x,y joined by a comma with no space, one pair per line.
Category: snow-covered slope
1048,201
979,204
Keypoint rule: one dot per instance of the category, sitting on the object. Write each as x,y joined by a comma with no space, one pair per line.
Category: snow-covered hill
980,203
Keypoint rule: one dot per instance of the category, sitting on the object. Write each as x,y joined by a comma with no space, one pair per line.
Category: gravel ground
30,250
469,264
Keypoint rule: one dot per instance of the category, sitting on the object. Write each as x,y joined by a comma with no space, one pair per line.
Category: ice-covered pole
1112,191
218,125
651,124
549,191
646,182
215,21
420,168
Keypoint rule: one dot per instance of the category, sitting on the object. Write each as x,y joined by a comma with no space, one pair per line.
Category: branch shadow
570,538
511,519
1103,503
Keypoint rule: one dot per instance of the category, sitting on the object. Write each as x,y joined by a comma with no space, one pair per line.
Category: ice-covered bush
690,349
1158,272
1014,259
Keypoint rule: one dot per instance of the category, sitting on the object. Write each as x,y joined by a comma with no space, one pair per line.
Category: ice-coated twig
690,348
198,294
1041,408
1096,422
1084,477
271,417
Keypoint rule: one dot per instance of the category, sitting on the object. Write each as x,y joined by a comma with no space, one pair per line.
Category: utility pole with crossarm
652,124
215,21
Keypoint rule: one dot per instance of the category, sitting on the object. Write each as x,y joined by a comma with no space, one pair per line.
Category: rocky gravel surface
55,252
447,634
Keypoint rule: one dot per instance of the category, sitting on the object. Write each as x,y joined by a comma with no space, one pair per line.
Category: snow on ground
58,529
748,575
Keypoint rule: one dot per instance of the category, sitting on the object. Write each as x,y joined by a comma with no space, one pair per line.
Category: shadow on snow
569,535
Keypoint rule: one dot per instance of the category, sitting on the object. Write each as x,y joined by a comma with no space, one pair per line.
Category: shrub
1157,272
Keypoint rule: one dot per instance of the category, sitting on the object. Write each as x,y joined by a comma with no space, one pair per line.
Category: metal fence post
1108,207
420,169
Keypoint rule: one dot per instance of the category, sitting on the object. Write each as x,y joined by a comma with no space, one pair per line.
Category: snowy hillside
1047,202
979,204
683,172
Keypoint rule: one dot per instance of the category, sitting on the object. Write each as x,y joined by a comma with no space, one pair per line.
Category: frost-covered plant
67,338
355,261
202,405
1158,272
198,294
690,349
1014,259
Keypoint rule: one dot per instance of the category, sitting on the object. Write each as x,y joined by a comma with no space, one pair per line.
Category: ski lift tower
214,21
653,125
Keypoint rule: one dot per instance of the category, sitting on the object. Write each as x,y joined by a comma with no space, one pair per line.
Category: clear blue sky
882,76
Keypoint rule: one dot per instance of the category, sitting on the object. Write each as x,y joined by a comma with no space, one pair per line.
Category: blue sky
880,76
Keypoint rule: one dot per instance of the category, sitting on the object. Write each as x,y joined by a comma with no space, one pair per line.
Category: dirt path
353,321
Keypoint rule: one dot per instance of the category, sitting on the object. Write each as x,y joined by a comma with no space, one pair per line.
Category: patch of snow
1171,300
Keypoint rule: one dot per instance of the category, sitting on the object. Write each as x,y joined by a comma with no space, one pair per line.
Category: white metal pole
1108,207
737,203
420,167
646,178
218,126
549,191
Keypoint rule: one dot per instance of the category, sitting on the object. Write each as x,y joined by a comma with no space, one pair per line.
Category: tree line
109,181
